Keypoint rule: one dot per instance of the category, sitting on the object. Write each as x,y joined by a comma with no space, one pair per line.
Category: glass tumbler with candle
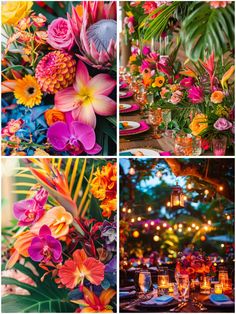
155,119
183,144
218,288
219,146
183,287
205,285
223,276
163,281
145,281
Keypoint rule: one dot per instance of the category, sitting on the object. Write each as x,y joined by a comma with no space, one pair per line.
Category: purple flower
187,82
146,50
195,95
222,124
30,210
75,137
108,233
45,247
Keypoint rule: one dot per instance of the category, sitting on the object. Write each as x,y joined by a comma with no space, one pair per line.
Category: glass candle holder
171,287
228,287
183,145
205,286
219,146
223,276
183,287
197,146
218,288
163,284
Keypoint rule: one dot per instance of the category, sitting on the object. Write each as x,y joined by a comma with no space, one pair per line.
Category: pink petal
104,106
66,99
102,84
95,150
82,75
44,231
85,114
58,135
84,134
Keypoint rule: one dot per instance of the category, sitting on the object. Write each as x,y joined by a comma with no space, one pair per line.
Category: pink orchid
87,97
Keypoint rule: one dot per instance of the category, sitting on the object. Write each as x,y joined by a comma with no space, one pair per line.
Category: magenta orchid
30,210
74,136
45,248
87,96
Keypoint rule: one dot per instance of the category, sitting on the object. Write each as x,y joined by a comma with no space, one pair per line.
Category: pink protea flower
60,35
95,33
87,97
195,95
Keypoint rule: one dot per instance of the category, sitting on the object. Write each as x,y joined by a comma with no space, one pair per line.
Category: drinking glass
145,281
219,146
155,119
183,287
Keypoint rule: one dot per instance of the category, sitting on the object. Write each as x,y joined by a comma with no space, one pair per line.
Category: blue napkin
164,299
221,300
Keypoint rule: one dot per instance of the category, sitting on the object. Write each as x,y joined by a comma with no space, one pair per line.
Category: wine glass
145,281
183,287
155,119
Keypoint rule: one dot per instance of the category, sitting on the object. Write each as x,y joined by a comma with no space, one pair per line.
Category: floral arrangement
59,78
194,264
62,252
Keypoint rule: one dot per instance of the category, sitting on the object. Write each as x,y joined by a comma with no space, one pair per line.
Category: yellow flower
14,11
198,124
27,91
40,152
159,81
217,97
227,76
132,58
129,14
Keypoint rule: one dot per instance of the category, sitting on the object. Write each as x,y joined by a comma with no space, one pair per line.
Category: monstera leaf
42,298
207,29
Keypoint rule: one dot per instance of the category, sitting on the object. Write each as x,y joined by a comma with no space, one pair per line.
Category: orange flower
198,124
133,68
217,97
163,92
92,303
188,72
57,219
81,267
53,115
108,206
132,58
159,81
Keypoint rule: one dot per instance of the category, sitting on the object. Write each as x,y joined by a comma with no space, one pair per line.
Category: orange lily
188,72
92,303
226,77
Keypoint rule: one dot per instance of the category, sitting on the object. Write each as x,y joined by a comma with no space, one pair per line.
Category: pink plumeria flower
87,97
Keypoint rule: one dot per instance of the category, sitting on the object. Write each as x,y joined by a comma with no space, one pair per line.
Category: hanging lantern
177,197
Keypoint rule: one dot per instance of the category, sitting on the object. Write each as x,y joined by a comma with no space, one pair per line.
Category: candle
163,281
171,287
205,286
218,288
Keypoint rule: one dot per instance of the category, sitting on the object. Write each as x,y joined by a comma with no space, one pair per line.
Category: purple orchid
45,247
108,233
30,210
73,136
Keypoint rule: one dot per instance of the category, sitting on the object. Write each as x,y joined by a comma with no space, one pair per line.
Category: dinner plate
124,94
131,108
143,151
132,125
125,106
210,304
158,306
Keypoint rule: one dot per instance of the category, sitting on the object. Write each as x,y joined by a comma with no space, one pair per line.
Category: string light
203,238
156,238
136,234
158,227
221,188
206,192
197,227
149,209
209,222
132,171
180,230
228,217
152,223
132,220
164,225
189,186
193,225
170,228
206,228
180,226
123,209
168,204
146,225
129,210
222,261
189,229
139,218
222,245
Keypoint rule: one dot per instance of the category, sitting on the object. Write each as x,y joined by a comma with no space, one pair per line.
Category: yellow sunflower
27,91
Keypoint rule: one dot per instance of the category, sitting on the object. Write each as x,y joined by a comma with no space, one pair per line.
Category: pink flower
12,127
176,97
30,210
60,35
87,97
195,95
187,82
219,4
146,50
222,124
164,65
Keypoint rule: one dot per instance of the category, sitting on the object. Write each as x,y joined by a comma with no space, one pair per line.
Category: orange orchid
92,303
81,267
57,219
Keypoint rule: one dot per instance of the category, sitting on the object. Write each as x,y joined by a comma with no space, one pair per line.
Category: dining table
196,303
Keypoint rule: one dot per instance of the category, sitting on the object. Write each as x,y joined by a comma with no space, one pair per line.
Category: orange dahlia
81,267
55,71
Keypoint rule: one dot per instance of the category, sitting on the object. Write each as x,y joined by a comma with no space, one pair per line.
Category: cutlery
178,307
199,305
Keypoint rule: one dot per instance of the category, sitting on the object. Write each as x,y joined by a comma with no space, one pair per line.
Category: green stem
24,144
